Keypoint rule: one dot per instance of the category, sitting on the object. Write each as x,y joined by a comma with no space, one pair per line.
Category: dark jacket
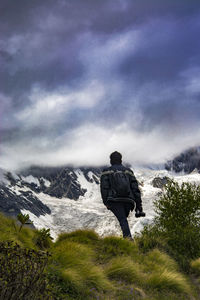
106,190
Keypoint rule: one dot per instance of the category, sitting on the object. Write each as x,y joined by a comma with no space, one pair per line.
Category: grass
9,231
168,280
124,269
195,266
86,266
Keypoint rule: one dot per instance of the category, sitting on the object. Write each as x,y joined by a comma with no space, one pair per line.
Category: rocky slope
186,161
20,191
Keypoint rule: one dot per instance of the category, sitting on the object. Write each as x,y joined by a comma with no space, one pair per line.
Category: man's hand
139,213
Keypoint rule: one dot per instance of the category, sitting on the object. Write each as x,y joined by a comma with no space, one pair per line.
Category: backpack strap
107,172
129,173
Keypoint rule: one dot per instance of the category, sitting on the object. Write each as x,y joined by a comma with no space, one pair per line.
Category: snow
88,212
31,179
47,183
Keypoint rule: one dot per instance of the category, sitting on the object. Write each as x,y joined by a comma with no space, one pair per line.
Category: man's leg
127,207
119,211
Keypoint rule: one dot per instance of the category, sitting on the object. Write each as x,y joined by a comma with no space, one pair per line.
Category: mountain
186,162
20,191
67,198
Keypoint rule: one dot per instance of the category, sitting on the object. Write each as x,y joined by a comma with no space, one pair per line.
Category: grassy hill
82,265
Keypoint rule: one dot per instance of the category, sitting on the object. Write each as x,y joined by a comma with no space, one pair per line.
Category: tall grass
75,263
168,280
79,236
9,231
124,269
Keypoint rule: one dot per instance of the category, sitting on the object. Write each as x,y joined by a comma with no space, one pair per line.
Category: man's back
107,190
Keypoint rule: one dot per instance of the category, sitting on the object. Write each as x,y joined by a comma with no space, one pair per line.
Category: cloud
80,79
45,108
91,145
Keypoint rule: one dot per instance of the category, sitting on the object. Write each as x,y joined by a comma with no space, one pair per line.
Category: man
120,192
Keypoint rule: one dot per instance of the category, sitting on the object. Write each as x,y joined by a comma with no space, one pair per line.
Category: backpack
120,184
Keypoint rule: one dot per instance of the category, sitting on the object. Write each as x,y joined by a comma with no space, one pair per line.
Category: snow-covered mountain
186,161
65,199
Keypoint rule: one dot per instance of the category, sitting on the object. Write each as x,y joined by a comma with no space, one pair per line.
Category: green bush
22,273
43,238
178,206
150,238
176,225
178,220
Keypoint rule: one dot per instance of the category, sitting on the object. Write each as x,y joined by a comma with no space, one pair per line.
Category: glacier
88,212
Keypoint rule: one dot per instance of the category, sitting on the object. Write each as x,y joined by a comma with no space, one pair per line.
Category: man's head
115,158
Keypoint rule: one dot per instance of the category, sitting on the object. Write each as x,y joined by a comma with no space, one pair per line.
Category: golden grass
168,280
124,269
156,259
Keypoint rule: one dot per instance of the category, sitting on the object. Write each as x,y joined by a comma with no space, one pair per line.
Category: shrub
22,273
43,238
178,220
150,238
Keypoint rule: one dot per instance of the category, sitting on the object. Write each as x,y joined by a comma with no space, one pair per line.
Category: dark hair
115,158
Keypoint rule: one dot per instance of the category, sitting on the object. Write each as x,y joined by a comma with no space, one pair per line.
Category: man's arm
104,187
135,190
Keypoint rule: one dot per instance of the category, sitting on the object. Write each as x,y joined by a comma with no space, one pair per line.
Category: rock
11,203
195,171
63,181
160,182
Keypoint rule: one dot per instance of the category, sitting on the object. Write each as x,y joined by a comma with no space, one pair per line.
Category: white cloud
53,106
91,145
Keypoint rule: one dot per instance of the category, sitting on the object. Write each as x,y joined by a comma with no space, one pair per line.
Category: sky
81,79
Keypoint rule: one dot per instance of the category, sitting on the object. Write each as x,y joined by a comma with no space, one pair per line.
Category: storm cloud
80,79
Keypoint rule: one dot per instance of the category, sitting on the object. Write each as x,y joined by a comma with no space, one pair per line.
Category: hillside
83,265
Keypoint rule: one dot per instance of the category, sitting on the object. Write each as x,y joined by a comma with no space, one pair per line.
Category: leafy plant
23,219
22,273
43,238
176,227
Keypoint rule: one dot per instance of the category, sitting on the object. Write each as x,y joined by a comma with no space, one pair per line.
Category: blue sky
80,79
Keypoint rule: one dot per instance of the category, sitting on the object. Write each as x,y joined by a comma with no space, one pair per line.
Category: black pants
121,211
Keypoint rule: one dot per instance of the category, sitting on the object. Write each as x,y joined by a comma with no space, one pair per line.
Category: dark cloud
168,48
116,64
